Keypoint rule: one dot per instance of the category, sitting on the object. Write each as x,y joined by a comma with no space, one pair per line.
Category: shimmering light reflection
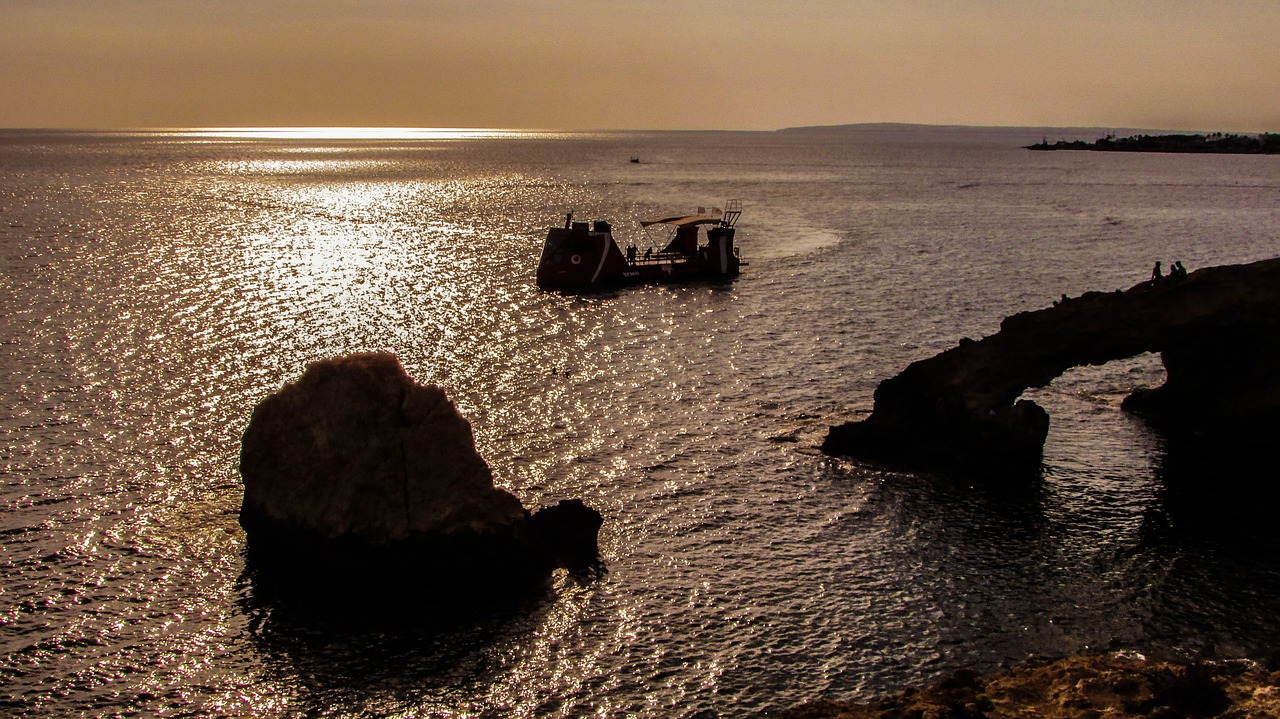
361,133
549,660
156,287
299,166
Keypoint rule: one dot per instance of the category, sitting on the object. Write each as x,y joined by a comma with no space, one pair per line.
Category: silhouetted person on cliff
1177,270
1156,273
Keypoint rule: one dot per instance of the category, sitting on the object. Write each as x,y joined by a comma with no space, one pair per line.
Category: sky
1210,65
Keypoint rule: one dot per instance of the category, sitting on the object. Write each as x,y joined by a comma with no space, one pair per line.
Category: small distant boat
582,255
635,159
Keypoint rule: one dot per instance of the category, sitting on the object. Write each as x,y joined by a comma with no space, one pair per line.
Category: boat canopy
681,221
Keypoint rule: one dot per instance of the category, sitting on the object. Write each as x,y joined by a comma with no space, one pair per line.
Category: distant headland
1213,143
1112,139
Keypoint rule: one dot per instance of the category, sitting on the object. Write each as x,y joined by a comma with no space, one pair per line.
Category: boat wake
788,240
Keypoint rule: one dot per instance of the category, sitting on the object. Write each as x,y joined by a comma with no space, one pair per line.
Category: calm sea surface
157,286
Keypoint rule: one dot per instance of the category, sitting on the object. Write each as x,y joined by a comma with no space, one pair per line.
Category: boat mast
732,211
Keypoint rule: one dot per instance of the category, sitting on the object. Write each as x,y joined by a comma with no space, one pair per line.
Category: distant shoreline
1215,143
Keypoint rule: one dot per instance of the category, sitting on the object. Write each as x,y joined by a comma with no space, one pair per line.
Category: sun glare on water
361,133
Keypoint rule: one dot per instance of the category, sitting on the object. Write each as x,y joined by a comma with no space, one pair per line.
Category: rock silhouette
356,476
1217,331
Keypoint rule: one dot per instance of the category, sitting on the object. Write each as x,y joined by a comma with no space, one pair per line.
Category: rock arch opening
1216,330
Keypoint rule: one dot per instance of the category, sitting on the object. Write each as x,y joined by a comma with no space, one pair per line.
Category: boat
582,255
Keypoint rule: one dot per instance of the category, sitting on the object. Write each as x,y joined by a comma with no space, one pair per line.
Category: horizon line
374,132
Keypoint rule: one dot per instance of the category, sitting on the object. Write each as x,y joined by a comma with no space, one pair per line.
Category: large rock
357,474
1217,330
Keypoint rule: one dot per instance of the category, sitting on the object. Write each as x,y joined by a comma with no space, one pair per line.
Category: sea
157,285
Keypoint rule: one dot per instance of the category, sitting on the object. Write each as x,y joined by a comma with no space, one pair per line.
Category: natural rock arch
1217,331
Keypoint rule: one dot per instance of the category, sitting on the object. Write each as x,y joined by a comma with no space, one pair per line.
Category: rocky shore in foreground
1110,687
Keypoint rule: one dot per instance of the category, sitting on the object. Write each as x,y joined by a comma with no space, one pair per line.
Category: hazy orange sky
623,64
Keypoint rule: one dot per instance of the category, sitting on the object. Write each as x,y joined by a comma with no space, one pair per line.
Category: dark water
155,287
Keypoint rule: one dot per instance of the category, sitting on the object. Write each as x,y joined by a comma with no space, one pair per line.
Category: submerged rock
355,475
1217,330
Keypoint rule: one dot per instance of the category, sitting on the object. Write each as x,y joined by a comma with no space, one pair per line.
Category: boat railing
659,258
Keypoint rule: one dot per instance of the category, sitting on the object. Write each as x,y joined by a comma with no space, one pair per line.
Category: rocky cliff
1217,331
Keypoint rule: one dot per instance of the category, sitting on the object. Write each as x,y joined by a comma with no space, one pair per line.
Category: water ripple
156,288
